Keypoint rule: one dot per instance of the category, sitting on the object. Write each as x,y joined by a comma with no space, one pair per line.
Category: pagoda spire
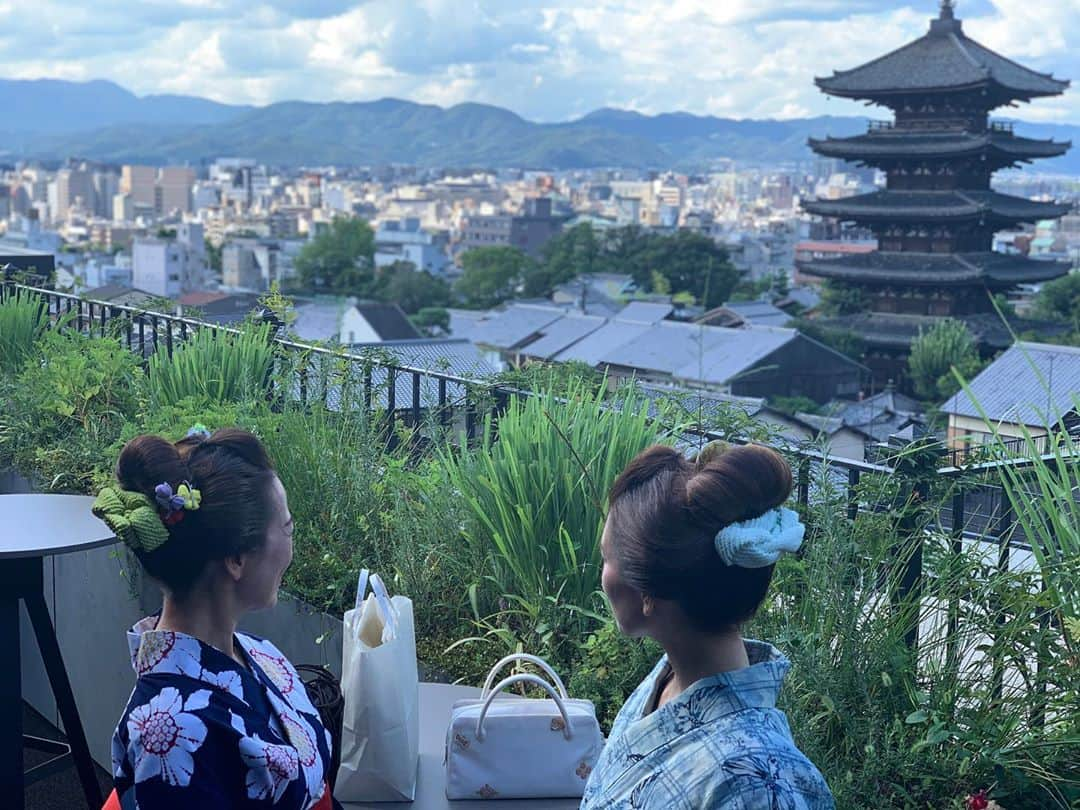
948,10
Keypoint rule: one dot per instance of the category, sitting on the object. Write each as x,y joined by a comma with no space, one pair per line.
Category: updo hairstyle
665,512
234,474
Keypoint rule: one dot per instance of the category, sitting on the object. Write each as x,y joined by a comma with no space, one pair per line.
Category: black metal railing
416,397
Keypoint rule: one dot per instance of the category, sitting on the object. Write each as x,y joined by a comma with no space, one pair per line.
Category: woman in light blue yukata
689,549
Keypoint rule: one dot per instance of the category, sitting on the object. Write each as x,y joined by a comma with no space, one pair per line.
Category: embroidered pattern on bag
558,724
583,770
461,741
487,792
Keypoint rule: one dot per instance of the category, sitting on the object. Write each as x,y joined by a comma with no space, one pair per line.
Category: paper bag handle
525,678
532,659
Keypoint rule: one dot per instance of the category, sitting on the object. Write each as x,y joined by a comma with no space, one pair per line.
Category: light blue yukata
720,745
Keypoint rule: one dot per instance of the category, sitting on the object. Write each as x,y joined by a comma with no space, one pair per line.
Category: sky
548,60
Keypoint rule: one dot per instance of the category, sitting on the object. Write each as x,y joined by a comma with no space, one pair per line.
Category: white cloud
545,59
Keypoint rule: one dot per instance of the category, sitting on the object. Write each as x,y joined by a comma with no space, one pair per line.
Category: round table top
39,525
436,702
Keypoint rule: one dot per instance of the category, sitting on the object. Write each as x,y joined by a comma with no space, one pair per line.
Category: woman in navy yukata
689,549
218,718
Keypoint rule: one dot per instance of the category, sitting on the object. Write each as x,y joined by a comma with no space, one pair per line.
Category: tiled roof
561,334
900,143
318,320
592,348
1030,384
935,268
698,353
920,206
943,59
388,320
761,313
645,312
517,323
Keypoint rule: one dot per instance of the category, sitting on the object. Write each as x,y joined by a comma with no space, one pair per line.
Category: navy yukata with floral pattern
720,745
202,731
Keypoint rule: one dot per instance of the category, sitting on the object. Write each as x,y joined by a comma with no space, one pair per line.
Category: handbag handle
524,678
532,659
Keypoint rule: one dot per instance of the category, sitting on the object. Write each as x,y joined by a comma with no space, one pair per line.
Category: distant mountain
53,106
100,120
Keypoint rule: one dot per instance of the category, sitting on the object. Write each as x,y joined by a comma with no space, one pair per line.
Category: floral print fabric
200,730
720,745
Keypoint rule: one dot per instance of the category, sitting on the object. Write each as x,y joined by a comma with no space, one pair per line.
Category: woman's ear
647,605
234,566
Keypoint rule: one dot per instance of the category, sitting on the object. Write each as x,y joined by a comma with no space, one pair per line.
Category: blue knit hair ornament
759,542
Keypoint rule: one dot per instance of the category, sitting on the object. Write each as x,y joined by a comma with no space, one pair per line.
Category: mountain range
99,120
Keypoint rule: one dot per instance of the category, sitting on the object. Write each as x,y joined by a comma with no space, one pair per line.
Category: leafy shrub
537,498
23,318
221,367
67,410
610,669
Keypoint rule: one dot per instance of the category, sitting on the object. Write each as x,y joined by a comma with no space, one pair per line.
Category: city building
141,183
935,219
172,194
527,231
405,241
171,267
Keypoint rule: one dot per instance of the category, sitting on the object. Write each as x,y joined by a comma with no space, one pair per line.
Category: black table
33,527
436,701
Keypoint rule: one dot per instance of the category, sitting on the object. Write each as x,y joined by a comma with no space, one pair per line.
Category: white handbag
521,748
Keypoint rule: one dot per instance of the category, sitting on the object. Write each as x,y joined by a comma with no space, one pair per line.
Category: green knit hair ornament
132,517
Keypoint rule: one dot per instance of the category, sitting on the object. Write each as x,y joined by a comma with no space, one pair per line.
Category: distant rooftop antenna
948,10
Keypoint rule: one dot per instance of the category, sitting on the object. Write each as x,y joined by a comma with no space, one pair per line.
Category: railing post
1005,527
853,493
957,546
804,481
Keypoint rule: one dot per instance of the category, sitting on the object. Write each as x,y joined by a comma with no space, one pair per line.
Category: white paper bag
380,737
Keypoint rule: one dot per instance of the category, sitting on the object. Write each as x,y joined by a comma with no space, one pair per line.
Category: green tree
839,298
213,255
573,252
339,260
934,354
1059,300
411,289
842,340
690,262
491,275
431,321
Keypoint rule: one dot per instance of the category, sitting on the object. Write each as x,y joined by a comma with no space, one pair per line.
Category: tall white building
171,267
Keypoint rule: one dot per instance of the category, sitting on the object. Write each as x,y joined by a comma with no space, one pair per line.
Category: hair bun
736,483
147,461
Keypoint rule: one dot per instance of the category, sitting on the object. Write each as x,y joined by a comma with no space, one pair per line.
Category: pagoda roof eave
945,51
936,269
897,331
927,206
872,146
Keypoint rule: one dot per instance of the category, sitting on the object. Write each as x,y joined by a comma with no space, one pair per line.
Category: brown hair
233,473
665,513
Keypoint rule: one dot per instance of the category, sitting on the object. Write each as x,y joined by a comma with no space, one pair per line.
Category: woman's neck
204,617
694,656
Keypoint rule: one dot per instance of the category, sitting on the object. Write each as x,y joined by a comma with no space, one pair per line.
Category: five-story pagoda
936,218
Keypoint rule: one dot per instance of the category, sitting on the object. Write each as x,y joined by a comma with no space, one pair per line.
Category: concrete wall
95,596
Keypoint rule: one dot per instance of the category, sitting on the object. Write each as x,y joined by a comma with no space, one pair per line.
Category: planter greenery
497,543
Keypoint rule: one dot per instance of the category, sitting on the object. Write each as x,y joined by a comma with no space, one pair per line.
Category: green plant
537,497
611,667
890,726
66,410
213,366
23,318
947,345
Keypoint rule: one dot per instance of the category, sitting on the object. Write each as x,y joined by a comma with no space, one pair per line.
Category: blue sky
548,60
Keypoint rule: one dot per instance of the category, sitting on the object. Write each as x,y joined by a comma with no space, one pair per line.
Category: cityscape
866,256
